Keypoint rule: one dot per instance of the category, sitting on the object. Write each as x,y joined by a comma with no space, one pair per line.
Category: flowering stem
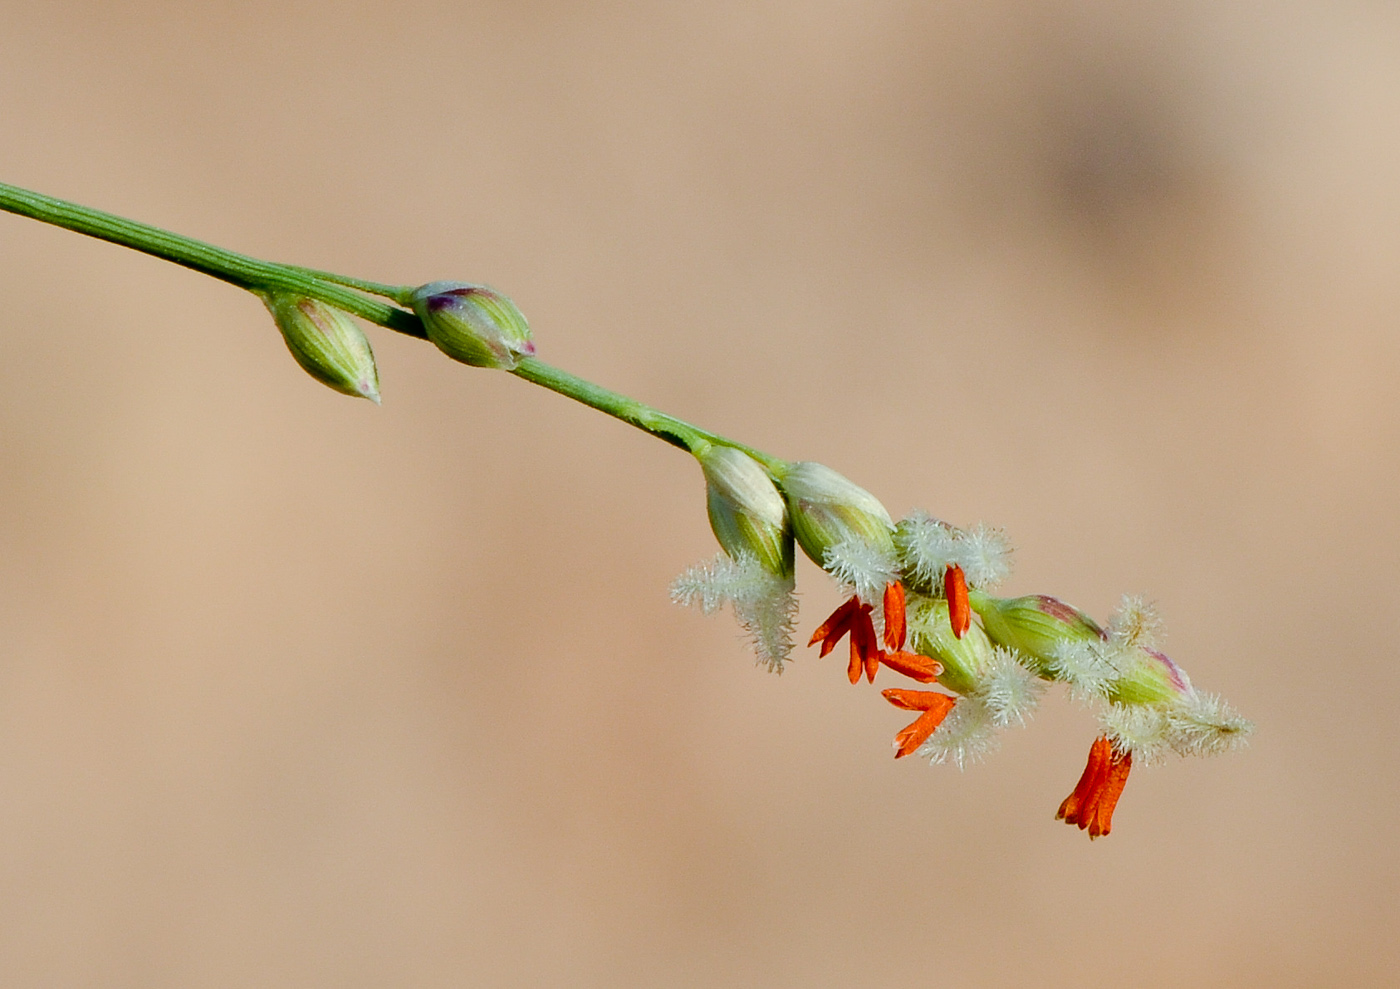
351,295
675,431
402,294
236,269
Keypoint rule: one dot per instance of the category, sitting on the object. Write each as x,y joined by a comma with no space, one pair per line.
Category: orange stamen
837,625
955,590
935,707
865,648
1094,774
1102,819
857,664
854,618
894,616
1090,806
912,665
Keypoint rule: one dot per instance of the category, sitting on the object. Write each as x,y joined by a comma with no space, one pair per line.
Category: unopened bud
747,513
1037,626
966,660
1147,677
829,511
326,343
473,324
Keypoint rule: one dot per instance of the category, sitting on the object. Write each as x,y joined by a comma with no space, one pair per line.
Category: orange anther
935,707
1090,806
955,590
894,616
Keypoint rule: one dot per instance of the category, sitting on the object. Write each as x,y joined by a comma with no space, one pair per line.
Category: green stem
675,431
347,294
237,269
402,294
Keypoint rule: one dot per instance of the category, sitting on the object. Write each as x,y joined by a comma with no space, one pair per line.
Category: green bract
1037,626
828,510
965,660
747,513
324,341
473,324
1147,677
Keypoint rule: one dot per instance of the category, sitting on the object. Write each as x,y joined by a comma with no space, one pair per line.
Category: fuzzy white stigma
863,567
1203,724
930,546
1088,667
763,603
966,736
1196,725
1136,623
1010,691
1140,729
986,556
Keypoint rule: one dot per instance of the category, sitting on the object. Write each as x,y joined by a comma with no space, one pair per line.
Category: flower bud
1147,677
1037,626
473,324
747,513
325,342
829,511
966,660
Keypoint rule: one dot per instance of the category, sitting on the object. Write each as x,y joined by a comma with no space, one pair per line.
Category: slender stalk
237,269
351,295
675,431
402,294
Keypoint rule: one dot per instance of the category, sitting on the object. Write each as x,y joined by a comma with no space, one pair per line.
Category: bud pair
327,345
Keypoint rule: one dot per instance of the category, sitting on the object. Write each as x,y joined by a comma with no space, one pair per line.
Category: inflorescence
919,598
919,601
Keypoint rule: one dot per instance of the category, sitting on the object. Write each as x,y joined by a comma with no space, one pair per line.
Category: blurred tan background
295,691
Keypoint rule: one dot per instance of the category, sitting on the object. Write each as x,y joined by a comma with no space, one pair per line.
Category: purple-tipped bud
473,324
1037,626
327,345
1148,677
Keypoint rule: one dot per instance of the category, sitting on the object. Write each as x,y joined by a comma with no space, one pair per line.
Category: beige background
295,691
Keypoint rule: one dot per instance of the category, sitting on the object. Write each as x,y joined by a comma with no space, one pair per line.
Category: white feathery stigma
1010,691
986,556
1088,667
964,737
1196,725
763,603
864,567
1203,724
1136,623
1140,729
929,546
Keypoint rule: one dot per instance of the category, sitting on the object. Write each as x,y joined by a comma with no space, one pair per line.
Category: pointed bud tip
326,343
473,324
